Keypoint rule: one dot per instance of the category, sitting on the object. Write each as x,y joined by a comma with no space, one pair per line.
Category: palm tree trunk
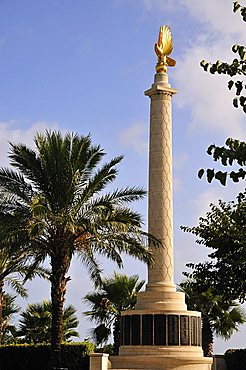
59,267
207,338
116,334
1,310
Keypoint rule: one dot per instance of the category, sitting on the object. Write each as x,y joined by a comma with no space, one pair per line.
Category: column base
161,300
167,362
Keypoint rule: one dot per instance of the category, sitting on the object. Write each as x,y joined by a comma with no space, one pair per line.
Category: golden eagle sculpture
163,49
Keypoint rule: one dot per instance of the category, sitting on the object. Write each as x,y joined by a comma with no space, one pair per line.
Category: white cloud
178,185
161,4
218,15
135,137
206,95
150,5
215,192
179,162
3,40
12,132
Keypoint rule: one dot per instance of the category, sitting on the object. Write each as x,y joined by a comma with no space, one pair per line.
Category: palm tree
16,266
35,323
117,294
59,193
219,317
9,309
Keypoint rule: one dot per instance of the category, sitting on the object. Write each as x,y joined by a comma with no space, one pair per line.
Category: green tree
35,323
219,317
117,294
59,191
223,230
212,286
234,151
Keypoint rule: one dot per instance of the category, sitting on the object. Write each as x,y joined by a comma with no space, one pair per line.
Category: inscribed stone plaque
159,330
184,330
199,331
127,330
135,330
194,331
147,330
122,331
173,330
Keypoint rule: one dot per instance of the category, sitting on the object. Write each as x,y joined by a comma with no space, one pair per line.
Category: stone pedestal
160,333
99,361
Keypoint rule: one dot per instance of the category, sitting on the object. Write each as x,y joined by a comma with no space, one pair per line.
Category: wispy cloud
135,137
215,192
11,132
153,4
207,96
3,40
218,15
179,162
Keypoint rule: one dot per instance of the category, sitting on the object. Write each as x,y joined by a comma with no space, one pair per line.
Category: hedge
75,356
235,359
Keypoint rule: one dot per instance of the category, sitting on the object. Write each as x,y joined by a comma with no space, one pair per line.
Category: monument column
160,333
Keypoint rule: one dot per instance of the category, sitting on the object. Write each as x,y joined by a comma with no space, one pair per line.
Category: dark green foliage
117,294
219,316
108,348
235,359
59,192
9,310
223,230
35,323
75,356
234,152
16,264
242,9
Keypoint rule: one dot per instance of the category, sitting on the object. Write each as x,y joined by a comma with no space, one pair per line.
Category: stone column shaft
160,210
160,293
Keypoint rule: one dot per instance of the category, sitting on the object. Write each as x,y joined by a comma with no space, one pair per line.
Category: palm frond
28,163
100,334
119,197
88,259
14,184
17,286
95,184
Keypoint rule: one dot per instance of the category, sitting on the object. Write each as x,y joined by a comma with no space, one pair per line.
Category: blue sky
83,66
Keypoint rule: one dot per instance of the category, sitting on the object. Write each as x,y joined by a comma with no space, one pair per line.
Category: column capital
160,86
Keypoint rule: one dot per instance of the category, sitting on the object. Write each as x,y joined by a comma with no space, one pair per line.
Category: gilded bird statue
163,49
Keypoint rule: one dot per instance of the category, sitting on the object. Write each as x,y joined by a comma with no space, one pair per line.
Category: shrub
75,356
108,348
235,359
